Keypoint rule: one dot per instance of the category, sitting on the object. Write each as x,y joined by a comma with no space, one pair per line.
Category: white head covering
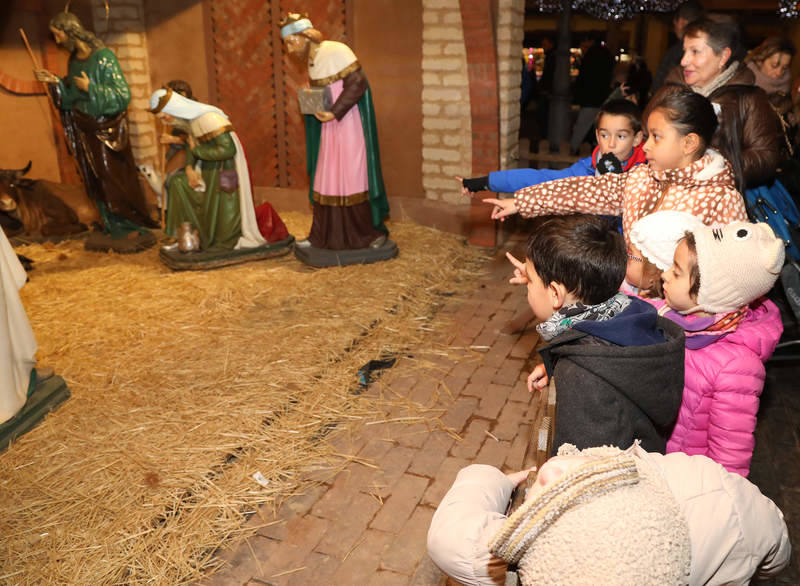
295,27
611,520
179,106
657,235
738,263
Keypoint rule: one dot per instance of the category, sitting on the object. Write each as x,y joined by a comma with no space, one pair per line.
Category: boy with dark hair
618,365
618,128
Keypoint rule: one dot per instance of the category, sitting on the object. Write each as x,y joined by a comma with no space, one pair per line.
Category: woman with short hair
712,66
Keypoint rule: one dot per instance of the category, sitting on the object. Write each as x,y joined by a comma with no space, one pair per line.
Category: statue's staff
37,67
162,163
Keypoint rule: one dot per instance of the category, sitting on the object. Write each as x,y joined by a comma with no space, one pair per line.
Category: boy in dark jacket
618,366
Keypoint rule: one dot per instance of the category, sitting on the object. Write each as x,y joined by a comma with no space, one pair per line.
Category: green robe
215,213
108,93
96,127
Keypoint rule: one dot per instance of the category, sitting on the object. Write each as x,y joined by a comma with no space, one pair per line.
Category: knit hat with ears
657,235
738,263
611,520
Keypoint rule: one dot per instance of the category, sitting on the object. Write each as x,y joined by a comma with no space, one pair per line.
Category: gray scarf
569,315
718,81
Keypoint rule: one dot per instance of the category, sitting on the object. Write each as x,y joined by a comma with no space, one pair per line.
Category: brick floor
367,525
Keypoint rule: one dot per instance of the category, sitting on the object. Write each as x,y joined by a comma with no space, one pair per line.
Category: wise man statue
93,98
346,184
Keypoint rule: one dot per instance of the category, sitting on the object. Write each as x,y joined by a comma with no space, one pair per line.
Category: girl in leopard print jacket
681,174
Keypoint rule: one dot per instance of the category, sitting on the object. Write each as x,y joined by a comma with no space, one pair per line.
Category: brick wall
446,121
510,33
124,33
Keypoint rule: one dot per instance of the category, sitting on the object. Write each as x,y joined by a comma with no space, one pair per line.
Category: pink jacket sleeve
732,418
590,195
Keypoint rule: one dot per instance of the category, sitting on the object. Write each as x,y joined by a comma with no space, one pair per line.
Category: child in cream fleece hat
714,289
609,516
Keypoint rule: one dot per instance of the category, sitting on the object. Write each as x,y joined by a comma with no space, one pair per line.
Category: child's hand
520,275
502,208
538,378
519,477
464,191
469,187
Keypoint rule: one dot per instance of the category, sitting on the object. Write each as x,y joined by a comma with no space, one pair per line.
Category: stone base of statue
323,257
48,395
102,242
213,259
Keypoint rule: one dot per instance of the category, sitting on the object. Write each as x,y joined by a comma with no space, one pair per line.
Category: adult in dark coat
712,66
687,12
592,87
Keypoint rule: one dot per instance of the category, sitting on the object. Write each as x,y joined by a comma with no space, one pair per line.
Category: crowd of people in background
656,331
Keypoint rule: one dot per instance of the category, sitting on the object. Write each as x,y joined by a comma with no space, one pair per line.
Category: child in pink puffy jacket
714,289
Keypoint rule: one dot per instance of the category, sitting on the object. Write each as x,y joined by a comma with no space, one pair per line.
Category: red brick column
476,18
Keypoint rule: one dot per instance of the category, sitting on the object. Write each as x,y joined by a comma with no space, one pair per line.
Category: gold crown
292,17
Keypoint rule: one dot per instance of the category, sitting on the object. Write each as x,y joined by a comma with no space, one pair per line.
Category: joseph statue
93,98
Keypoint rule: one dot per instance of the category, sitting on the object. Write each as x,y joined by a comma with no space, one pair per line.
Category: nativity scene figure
211,196
92,100
346,187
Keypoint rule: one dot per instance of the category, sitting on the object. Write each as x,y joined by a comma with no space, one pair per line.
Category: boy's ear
691,142
558,294
637,138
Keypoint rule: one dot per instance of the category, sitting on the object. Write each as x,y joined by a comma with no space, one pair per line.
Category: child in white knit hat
713,289
610,516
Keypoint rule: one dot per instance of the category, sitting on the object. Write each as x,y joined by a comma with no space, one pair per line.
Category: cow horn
16,172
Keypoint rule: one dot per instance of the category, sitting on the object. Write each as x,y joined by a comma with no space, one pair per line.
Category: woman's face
700,64
776,65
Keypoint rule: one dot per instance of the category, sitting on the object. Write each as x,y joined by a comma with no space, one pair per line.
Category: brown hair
582,252
71,25
769,47
722,31
650,272
689,112
694,269
621,107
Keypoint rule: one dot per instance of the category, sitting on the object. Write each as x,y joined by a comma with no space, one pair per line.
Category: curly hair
71,25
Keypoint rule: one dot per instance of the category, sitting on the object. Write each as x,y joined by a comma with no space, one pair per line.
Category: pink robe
342,160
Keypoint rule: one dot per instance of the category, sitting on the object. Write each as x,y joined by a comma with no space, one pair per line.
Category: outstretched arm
512,180
471,512
590,195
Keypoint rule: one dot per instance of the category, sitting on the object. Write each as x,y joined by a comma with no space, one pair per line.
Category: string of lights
625,9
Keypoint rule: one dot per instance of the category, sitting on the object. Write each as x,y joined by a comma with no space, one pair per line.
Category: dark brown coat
762,138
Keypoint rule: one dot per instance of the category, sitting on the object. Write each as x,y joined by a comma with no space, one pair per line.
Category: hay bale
184,385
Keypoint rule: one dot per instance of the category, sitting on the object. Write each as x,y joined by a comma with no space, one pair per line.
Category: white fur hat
738,263
612,520
657,235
